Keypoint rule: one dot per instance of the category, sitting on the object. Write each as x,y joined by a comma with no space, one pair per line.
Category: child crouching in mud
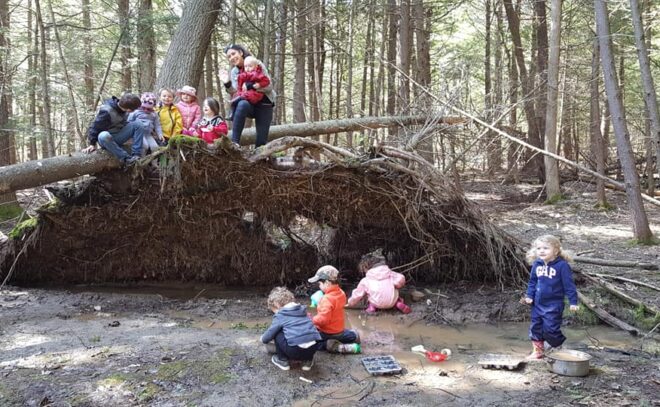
293,332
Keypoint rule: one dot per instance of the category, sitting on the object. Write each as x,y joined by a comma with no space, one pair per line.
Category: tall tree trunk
74,116
123,11
527,86
551,168
280,51
299,101
232,21
597,145
88,59
391,60
33,41
541,35
640,221
49,140
488,96
8,203
496,142
266,37
404,57
422,17
650,96
146,42
185,56
349,78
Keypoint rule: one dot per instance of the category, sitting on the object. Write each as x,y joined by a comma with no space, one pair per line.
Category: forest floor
194,345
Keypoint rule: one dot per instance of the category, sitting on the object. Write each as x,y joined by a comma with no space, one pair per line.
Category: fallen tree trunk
618,293
627,280
39,172
606,316
615,263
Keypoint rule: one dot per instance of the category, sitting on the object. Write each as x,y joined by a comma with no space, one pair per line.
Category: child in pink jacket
191,113
380,284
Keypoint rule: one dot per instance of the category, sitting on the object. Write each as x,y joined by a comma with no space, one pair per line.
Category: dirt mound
229,216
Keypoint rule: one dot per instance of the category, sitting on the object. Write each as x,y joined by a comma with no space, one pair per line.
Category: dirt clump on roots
236,217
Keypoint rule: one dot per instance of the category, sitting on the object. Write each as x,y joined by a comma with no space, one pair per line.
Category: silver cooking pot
568,362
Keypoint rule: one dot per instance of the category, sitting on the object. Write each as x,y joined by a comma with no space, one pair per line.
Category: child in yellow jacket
170,118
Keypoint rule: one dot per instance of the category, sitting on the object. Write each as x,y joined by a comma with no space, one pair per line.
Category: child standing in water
551,279
380,285
293,332
187,105
170,117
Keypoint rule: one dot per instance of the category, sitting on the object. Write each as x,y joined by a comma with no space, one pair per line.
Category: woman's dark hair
239,48
213,105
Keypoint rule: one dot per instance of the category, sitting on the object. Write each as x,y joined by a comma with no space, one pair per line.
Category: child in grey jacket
148,118
292,330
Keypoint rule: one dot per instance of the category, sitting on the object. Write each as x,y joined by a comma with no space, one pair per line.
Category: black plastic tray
381,365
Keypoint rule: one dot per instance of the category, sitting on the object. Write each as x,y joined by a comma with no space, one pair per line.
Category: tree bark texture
299,99
123,13
146,44
184,61
48,142
527,83
650,96
641,227
551,167
597,145
87,57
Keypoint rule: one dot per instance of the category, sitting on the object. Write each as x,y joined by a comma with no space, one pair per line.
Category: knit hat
148,100
325,273
187,90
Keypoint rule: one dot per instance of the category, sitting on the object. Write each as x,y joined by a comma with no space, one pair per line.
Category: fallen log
618,293
616,263
39,172
606,316
627,280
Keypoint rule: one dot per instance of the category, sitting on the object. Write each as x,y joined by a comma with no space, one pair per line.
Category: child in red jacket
212,126
249,82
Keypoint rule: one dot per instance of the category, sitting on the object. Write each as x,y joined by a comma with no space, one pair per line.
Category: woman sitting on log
262,112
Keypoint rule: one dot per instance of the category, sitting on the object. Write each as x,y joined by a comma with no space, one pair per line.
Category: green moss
604,206
214,370
23,228
556,198
10,211
181,139
642,320
114,380
583,315
148,392
653,241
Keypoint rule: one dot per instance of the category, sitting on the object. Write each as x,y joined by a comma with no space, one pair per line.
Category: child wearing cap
329,318
147,117
188,107
294,334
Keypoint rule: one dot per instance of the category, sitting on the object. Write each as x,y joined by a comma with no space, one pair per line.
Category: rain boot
537,351
371,309
401,306
334,346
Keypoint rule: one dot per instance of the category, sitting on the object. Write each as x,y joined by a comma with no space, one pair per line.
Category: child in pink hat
187,105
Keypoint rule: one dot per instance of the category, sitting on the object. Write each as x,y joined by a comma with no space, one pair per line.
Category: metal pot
568,362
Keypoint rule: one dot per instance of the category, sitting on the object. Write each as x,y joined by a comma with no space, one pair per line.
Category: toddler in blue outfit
292,330
551,279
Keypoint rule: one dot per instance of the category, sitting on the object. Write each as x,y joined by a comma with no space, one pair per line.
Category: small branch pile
230,216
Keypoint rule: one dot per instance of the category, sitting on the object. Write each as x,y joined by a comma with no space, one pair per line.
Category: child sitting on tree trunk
212,126
380,285
551,279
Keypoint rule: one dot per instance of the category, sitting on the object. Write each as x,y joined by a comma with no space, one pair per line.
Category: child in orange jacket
329,318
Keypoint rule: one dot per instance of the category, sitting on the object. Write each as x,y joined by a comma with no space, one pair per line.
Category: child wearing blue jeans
292,330
550,280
